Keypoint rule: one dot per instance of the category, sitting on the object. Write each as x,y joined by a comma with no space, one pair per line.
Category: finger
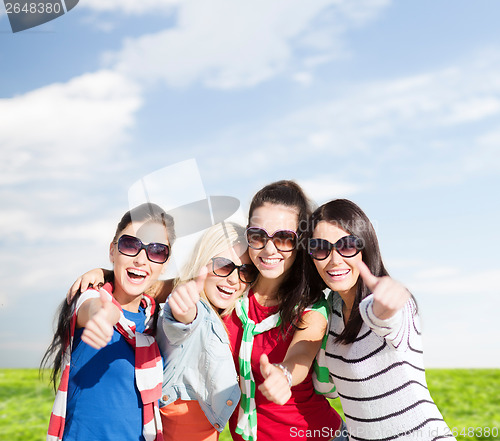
200,279
276,391
173,306
192,293
97,334
370,280
101,326
177,302
86,283
93,340
265,366
105,297
73,290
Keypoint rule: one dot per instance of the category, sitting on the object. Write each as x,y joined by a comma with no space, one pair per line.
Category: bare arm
298,360
94,278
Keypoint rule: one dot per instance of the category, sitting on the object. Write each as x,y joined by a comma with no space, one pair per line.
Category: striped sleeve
396,330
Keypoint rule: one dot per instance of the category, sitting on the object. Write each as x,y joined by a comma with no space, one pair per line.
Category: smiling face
134,275
272,263
222,292
339,273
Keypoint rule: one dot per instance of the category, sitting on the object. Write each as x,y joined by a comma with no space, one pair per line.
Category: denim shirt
198,364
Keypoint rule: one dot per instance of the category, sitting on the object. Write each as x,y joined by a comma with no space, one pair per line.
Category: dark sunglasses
223,267
347,246
283,240
132,246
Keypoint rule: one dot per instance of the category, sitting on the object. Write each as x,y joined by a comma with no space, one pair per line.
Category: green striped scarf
247,417
322,379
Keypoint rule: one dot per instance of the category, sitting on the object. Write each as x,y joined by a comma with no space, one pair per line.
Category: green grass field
467,398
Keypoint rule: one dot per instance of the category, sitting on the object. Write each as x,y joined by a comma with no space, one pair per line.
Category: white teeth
270,261
338,272
227,290
137,272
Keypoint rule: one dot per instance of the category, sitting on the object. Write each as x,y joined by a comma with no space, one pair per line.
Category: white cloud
473,110
87,116
130,6
449,281
403,130
304,78
229,44
325,188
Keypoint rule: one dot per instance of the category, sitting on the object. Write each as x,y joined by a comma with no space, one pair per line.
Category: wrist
286,373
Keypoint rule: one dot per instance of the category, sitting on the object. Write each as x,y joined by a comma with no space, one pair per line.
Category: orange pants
186,421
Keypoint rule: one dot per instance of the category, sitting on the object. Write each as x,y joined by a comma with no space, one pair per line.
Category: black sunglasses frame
147,248
358,244
267,237
237,267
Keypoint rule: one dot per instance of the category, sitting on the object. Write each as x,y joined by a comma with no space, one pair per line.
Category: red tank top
307,415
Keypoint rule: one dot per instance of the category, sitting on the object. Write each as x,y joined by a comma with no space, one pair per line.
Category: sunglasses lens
129,245
285,240
319,249
256,238
248,273
348,246
222,267
157,252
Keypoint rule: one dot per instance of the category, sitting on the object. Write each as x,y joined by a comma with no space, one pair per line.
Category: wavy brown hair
347,215
295,293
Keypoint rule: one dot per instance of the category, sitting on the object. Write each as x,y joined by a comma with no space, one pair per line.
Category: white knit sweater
380,377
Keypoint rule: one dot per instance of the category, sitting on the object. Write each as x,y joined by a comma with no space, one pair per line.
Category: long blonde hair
217,239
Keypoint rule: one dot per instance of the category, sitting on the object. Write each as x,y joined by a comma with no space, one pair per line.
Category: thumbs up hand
103,316
275,386
184,297
389,296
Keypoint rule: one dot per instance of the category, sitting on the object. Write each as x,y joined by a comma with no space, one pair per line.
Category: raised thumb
370,280
200,278
104,296
265,366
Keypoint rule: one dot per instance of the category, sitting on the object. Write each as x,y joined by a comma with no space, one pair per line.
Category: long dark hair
147,212
348,216
294,293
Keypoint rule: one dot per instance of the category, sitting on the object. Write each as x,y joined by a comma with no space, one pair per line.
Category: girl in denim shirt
200,385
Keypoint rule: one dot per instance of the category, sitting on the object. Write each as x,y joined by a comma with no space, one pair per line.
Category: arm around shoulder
298,360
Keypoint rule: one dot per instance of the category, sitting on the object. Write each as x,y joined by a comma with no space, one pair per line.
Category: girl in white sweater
374,350
371,356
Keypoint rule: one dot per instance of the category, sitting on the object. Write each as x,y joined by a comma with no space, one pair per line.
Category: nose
232,279
270,247
141,258
335,257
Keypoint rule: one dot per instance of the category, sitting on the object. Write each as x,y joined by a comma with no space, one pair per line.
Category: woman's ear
112,252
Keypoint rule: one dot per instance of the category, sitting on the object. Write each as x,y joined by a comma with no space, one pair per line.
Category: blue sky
394,105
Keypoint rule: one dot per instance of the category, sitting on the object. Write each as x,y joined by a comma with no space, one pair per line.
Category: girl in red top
274,321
